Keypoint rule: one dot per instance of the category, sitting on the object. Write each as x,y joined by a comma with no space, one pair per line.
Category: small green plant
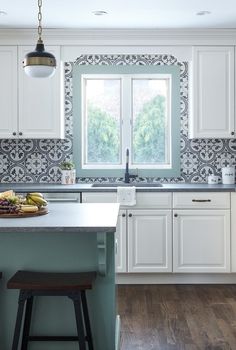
67,165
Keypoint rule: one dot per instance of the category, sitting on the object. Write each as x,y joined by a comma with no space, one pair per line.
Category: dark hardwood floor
167,317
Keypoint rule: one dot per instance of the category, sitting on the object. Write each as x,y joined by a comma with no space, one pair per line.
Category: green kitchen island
72,237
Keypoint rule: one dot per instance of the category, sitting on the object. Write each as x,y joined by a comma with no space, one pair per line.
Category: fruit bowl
13,205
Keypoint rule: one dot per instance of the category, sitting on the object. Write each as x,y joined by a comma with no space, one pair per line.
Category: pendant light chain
40,19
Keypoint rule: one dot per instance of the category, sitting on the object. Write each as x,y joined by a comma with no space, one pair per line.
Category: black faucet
127,175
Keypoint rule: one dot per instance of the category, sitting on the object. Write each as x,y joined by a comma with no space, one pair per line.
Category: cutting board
42,211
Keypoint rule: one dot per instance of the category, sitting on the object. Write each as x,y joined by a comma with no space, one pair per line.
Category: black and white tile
38,160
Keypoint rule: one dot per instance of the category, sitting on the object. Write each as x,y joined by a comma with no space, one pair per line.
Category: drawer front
99,197
143,199
214,200
154,200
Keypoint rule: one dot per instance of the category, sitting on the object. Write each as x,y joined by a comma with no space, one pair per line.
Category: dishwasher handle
63,200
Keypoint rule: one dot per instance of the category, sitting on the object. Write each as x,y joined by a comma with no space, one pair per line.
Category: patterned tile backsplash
39,160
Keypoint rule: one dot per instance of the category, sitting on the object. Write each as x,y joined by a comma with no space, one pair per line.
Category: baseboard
180,278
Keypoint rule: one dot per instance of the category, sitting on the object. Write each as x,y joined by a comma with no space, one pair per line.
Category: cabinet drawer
143,199
207,200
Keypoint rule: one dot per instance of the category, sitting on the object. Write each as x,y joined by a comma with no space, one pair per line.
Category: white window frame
126,122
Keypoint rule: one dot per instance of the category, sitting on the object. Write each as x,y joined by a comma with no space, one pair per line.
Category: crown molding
101,37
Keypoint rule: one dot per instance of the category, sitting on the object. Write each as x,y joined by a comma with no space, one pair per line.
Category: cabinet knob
20,133
176,215
123,215
14,133
232,133
130,215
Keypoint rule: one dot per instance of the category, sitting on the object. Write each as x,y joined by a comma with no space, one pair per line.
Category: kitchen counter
71,237
58,188
66,218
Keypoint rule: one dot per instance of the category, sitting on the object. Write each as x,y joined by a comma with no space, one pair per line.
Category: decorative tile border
38,160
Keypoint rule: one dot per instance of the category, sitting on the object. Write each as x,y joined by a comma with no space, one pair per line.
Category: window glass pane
150,121
103,116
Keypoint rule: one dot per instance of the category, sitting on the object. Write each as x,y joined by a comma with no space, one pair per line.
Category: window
121,110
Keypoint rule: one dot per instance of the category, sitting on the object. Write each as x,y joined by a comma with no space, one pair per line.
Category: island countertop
67,217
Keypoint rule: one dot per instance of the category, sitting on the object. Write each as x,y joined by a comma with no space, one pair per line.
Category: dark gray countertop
69,217
58,188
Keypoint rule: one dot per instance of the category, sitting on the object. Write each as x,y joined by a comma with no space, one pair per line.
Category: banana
36,199
30,201
37,194
28,208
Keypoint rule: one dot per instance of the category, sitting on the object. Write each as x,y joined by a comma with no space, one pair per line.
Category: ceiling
120,14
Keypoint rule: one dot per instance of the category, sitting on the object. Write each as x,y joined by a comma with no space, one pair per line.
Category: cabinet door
149,241
121,260
40,101
212,98
233,232
8,91
201,241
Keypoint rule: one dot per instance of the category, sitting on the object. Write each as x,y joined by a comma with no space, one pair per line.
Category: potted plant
68,173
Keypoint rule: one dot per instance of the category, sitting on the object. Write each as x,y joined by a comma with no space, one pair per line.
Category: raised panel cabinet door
212,92
201,241
149,241
8,92
41,110
121,246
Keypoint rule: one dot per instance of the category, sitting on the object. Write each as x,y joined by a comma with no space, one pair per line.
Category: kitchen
178,237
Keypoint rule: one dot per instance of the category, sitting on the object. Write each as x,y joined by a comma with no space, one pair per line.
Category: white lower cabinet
201,241
198,241
121,245
143,236
149,241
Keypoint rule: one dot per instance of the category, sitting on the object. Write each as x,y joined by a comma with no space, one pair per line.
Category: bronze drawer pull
201,200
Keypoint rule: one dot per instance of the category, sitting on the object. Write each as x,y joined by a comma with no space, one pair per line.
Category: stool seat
30,280
35,284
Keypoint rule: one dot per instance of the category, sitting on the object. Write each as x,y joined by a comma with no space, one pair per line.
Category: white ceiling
120,14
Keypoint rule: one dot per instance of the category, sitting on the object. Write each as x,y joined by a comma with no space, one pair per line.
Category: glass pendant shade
39,63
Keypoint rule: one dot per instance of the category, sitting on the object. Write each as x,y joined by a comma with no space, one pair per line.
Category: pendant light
39,63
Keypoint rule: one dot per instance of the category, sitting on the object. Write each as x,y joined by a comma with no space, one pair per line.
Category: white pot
68,177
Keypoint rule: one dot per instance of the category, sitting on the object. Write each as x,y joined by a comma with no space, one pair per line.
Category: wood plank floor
167,317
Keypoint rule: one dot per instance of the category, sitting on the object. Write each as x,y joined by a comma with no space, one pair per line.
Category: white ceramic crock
228,175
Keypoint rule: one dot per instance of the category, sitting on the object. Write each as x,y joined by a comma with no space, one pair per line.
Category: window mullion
126,116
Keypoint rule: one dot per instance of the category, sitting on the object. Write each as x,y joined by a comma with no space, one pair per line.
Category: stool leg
86,320
79,320
21,304
26,329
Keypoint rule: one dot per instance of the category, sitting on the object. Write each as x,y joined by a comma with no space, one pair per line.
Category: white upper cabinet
40,101
8,90
212,92
30,107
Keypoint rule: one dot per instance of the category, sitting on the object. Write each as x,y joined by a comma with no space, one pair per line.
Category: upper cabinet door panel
40,101
212,98
8,91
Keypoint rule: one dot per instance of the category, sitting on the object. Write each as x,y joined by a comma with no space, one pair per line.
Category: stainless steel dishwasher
64,197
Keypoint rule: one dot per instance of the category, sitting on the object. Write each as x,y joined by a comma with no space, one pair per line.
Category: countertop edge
79,188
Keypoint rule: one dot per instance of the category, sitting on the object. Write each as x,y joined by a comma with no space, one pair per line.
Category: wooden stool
72,285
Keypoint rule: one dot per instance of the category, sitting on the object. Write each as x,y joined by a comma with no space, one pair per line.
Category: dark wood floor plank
180,317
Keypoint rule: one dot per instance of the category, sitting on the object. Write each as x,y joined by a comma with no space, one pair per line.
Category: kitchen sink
136,184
